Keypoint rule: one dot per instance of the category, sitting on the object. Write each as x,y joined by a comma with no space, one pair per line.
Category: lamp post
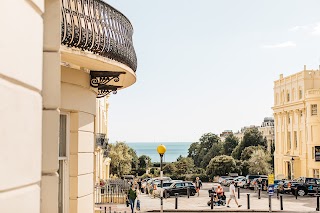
161,150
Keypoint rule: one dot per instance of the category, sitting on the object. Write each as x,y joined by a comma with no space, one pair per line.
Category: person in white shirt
232,190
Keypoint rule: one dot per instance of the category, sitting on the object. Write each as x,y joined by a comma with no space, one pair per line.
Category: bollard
105,209
238,192
317,209
270,210
211,200
281,203
277,194
248,201
296,193
317,190
259,193
188,191
176,204
109,209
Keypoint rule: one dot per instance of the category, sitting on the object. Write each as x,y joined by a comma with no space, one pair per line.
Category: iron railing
114,191
101,139
95,26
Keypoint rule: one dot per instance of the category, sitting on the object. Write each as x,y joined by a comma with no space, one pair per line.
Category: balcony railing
95,26
101,140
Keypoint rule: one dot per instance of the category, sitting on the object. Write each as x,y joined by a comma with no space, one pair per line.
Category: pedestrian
198,183
219,191
132,195
232,190
259,183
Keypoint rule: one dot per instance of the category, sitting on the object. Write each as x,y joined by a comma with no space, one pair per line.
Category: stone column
51,105
107,162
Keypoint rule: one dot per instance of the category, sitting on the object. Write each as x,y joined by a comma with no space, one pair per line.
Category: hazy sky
209,65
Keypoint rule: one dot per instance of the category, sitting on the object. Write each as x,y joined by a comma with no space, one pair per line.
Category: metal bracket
100,80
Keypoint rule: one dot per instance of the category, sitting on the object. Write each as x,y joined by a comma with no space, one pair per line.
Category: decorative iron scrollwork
103,77
95,26
100,139
104,90
100,80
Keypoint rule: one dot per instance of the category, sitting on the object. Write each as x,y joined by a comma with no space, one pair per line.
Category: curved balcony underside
96,36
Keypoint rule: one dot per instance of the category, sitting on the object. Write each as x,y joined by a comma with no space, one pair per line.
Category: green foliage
259,162
193,150
229,144
121,158
169,169
135,160
201,152
221,165
272,155
236,153
252,137
142,161
247,152
184,165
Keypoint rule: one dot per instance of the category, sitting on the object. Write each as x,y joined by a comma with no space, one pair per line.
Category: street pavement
199,203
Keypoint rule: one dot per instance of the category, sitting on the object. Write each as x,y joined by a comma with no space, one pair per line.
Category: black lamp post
161,150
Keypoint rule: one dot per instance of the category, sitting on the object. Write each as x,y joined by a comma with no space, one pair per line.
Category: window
316,173
288,119
300,94
295,139
288,97
314,110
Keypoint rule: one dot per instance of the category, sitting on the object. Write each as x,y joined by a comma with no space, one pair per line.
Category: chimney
281,76
305,67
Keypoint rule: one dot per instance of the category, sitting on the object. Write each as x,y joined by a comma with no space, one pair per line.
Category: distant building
225,134
267,130
297,124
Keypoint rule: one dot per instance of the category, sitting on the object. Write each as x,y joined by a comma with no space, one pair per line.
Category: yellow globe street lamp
161,150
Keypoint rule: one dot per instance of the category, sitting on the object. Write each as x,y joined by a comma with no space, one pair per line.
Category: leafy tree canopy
221,165
259,162
229,144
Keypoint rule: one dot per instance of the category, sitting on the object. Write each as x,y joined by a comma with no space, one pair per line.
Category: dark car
305,186
179,187
249,178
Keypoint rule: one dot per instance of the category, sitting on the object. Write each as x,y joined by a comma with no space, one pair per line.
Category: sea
174,150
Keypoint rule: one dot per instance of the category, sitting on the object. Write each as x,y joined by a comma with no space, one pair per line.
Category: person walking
232,190
132,195
198,183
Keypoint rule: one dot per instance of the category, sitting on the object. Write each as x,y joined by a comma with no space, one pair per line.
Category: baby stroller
218,200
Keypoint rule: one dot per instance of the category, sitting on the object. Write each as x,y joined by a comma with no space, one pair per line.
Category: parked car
221,178
286,186
157,188
254,183
227,181
306,186
235,180
249,178
278,183
240,182
180,188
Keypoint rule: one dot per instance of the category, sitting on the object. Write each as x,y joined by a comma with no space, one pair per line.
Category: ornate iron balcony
100,139
95,26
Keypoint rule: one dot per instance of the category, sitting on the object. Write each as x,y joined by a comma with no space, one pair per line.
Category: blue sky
208,65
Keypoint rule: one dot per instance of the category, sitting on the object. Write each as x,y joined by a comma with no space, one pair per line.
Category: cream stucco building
297,124
57,57
267,131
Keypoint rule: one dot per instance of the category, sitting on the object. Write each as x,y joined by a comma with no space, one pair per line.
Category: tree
184,165
193,150
230,144
121,158
207,148
259,162
142,161
221,165
247,152
253,137
135,159
170,168
215,150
